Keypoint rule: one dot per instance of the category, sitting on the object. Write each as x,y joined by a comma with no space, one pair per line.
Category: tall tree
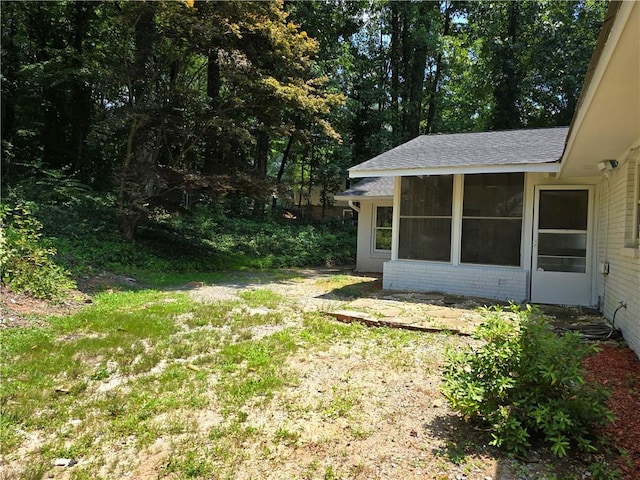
508,71
261,85
448,8
230,96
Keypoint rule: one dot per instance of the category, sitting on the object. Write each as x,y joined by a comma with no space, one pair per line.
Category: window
425,218
492,219
382,229
562,230
632,208
490,216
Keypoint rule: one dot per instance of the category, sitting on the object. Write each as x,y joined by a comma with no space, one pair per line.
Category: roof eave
547,167
360,198
602,53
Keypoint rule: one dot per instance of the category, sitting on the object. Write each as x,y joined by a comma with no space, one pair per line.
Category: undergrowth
26,259
74,230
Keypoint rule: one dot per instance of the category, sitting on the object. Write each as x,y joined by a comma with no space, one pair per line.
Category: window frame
456,220
374,249
451,217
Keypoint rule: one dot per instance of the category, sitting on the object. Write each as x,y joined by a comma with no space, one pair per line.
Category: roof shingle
369,187
496,148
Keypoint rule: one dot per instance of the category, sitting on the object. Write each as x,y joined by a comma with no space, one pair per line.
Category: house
546,215
309,203
372,198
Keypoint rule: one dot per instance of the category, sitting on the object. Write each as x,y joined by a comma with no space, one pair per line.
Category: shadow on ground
464,445
364,289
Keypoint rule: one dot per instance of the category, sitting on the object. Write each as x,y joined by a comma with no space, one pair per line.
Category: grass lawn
156,384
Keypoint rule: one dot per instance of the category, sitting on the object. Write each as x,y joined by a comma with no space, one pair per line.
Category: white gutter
550,167
353,206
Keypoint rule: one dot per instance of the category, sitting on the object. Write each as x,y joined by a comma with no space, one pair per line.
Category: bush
26,264
525,382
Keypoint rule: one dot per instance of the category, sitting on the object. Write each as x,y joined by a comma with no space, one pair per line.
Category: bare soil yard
251,379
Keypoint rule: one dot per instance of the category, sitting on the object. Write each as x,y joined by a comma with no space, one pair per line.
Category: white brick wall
490,282
622,284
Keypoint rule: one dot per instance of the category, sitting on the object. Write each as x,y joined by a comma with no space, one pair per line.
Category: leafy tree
208,89
243,100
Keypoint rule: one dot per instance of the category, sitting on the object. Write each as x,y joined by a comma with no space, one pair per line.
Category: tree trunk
406,69
10,63
283,164
305,153
312,163
136,182
144,39
54,101
129,226
418,66
416,92
214,158
395,66
431,109
506,114
53,135
262,157
81,94
414,108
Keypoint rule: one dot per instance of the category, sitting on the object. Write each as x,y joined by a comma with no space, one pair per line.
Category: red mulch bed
618,369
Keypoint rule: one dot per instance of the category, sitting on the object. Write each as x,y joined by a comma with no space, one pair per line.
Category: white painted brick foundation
490,282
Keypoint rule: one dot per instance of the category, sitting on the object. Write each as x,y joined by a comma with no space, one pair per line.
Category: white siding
622,284
366,259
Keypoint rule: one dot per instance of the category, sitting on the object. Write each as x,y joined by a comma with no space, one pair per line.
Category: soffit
607,124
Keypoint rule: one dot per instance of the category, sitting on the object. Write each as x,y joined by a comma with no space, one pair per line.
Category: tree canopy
245,102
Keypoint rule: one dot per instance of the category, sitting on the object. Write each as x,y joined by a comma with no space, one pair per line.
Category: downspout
606,240
354,206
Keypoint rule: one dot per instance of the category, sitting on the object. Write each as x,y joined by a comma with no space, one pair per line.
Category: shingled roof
378,187
521,150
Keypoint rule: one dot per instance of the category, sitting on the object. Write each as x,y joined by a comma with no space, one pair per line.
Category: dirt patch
105,281
21,310
394,442
353,415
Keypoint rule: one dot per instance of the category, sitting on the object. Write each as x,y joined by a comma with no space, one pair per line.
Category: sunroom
482,214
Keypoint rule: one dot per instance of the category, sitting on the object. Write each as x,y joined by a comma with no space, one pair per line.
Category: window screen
492,219
425,218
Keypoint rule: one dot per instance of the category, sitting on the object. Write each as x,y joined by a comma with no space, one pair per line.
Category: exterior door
562,262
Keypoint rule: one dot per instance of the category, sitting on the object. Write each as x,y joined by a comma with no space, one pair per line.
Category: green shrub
26,264
83,227
525,383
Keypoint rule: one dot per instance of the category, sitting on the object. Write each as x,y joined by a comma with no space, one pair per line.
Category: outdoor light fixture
606,165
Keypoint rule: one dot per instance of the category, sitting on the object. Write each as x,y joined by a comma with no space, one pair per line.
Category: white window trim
395,241
456,227
632,244
375,229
